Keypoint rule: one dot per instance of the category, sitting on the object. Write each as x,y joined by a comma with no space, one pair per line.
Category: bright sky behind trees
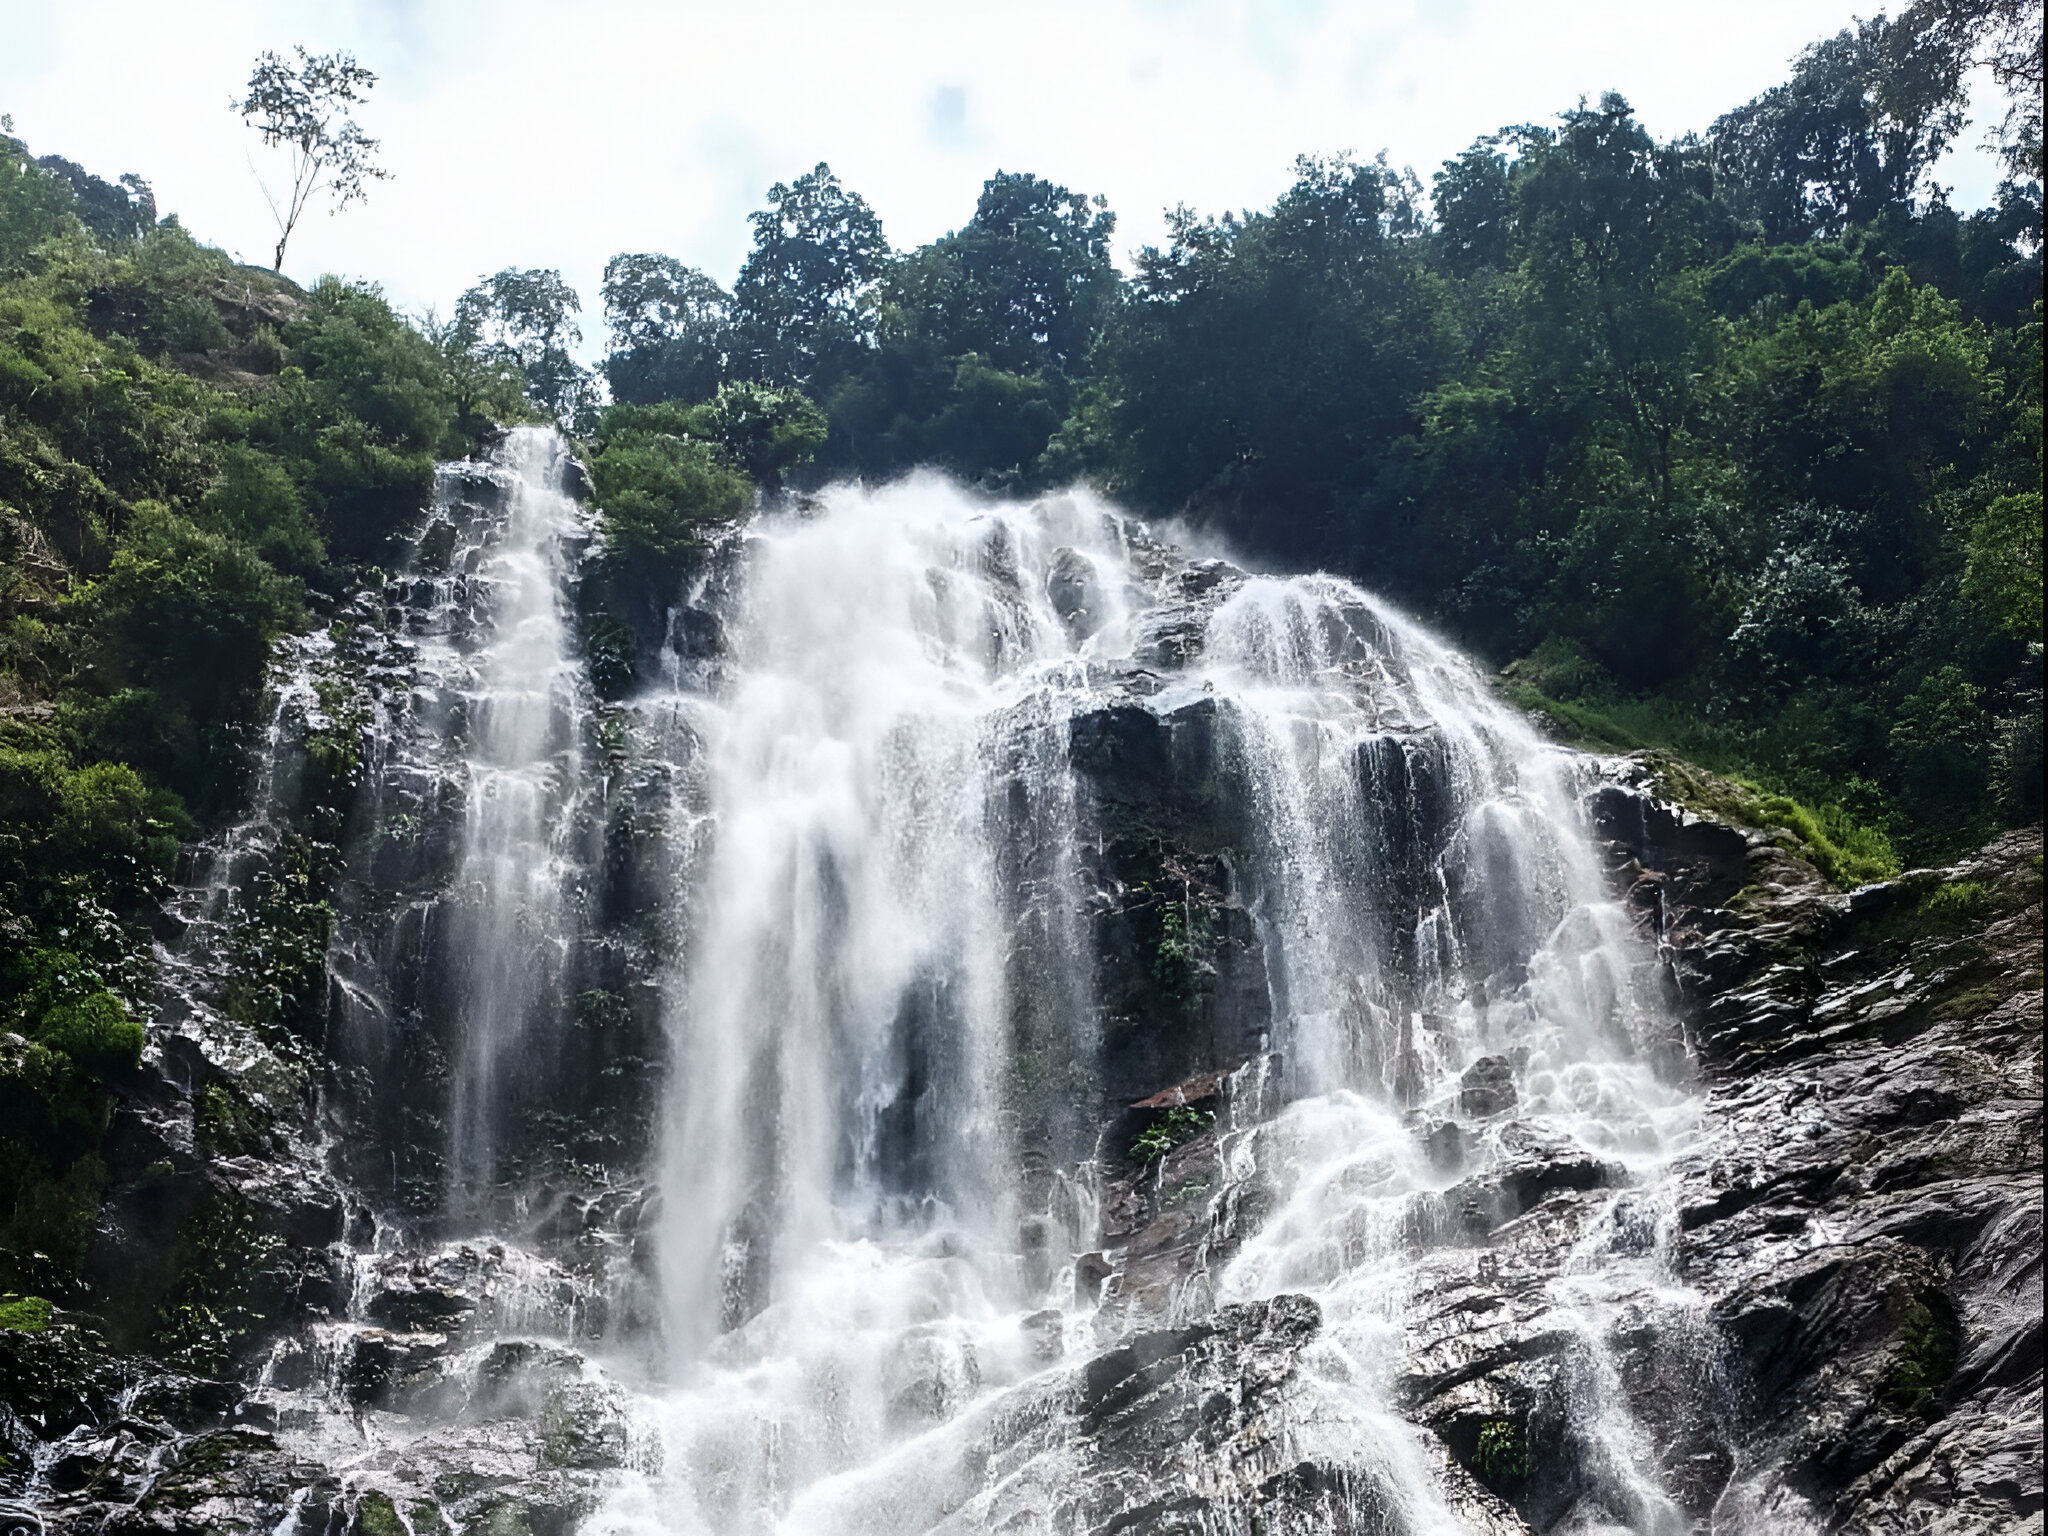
545,135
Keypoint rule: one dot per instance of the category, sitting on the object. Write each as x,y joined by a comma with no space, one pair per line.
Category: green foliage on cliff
195,457
1502,1456
228,1284
1172,1128
1923,1357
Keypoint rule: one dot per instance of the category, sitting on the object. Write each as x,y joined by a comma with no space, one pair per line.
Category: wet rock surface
1842,1326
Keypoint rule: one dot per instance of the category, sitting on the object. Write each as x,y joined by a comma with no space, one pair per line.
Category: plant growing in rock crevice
1501,1457
227,1286
1175,1128
1924,1358
1182,941
277,954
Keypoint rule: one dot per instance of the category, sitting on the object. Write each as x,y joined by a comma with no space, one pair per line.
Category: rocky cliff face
1822,1311
1844,1330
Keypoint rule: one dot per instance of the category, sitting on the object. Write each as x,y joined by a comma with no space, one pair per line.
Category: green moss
24,1314
451,1486
1181,939
376,1515
507,1519
1847,848
277,953
225,1122
1844,850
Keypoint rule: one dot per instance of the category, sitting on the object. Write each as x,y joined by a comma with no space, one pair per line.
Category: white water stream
844,1289
891,1040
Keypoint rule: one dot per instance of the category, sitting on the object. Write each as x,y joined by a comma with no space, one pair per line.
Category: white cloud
539,134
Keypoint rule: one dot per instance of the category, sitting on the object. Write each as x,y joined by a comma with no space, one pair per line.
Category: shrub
95,1033
1175,1128
661,494
191,614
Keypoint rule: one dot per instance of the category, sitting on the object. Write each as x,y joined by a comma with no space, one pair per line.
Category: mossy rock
376,1515
1845,853
24,1314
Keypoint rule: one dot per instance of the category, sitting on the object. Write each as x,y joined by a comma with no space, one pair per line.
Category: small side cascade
460,924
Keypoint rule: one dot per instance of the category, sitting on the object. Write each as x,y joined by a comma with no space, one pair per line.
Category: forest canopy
1729,443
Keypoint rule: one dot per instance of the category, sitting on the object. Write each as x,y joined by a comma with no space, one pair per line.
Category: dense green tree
1610,228
1024,284
115,211
670,328
666,485
1261,366
979,337
1852,135
35,206
2006,35
800,305
765,431
1474,206
522,317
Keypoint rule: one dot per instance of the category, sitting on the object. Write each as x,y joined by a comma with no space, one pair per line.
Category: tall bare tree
303,107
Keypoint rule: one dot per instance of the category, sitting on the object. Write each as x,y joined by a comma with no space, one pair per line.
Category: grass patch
1958,904
1847,850
24,1314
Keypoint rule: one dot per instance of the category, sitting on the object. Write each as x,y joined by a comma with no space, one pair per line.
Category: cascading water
521,695
463,910
1060,943
935,727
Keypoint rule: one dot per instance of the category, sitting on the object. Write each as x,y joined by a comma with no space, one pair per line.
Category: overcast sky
553,135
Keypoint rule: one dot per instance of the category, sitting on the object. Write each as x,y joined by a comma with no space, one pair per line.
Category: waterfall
521,696
986,938
938,736
459,923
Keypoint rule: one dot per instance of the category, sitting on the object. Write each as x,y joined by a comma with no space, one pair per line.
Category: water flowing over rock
1007,1025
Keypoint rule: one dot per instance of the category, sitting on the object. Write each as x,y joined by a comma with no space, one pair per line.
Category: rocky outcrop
1824,1315
1817,1306
1844,1330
